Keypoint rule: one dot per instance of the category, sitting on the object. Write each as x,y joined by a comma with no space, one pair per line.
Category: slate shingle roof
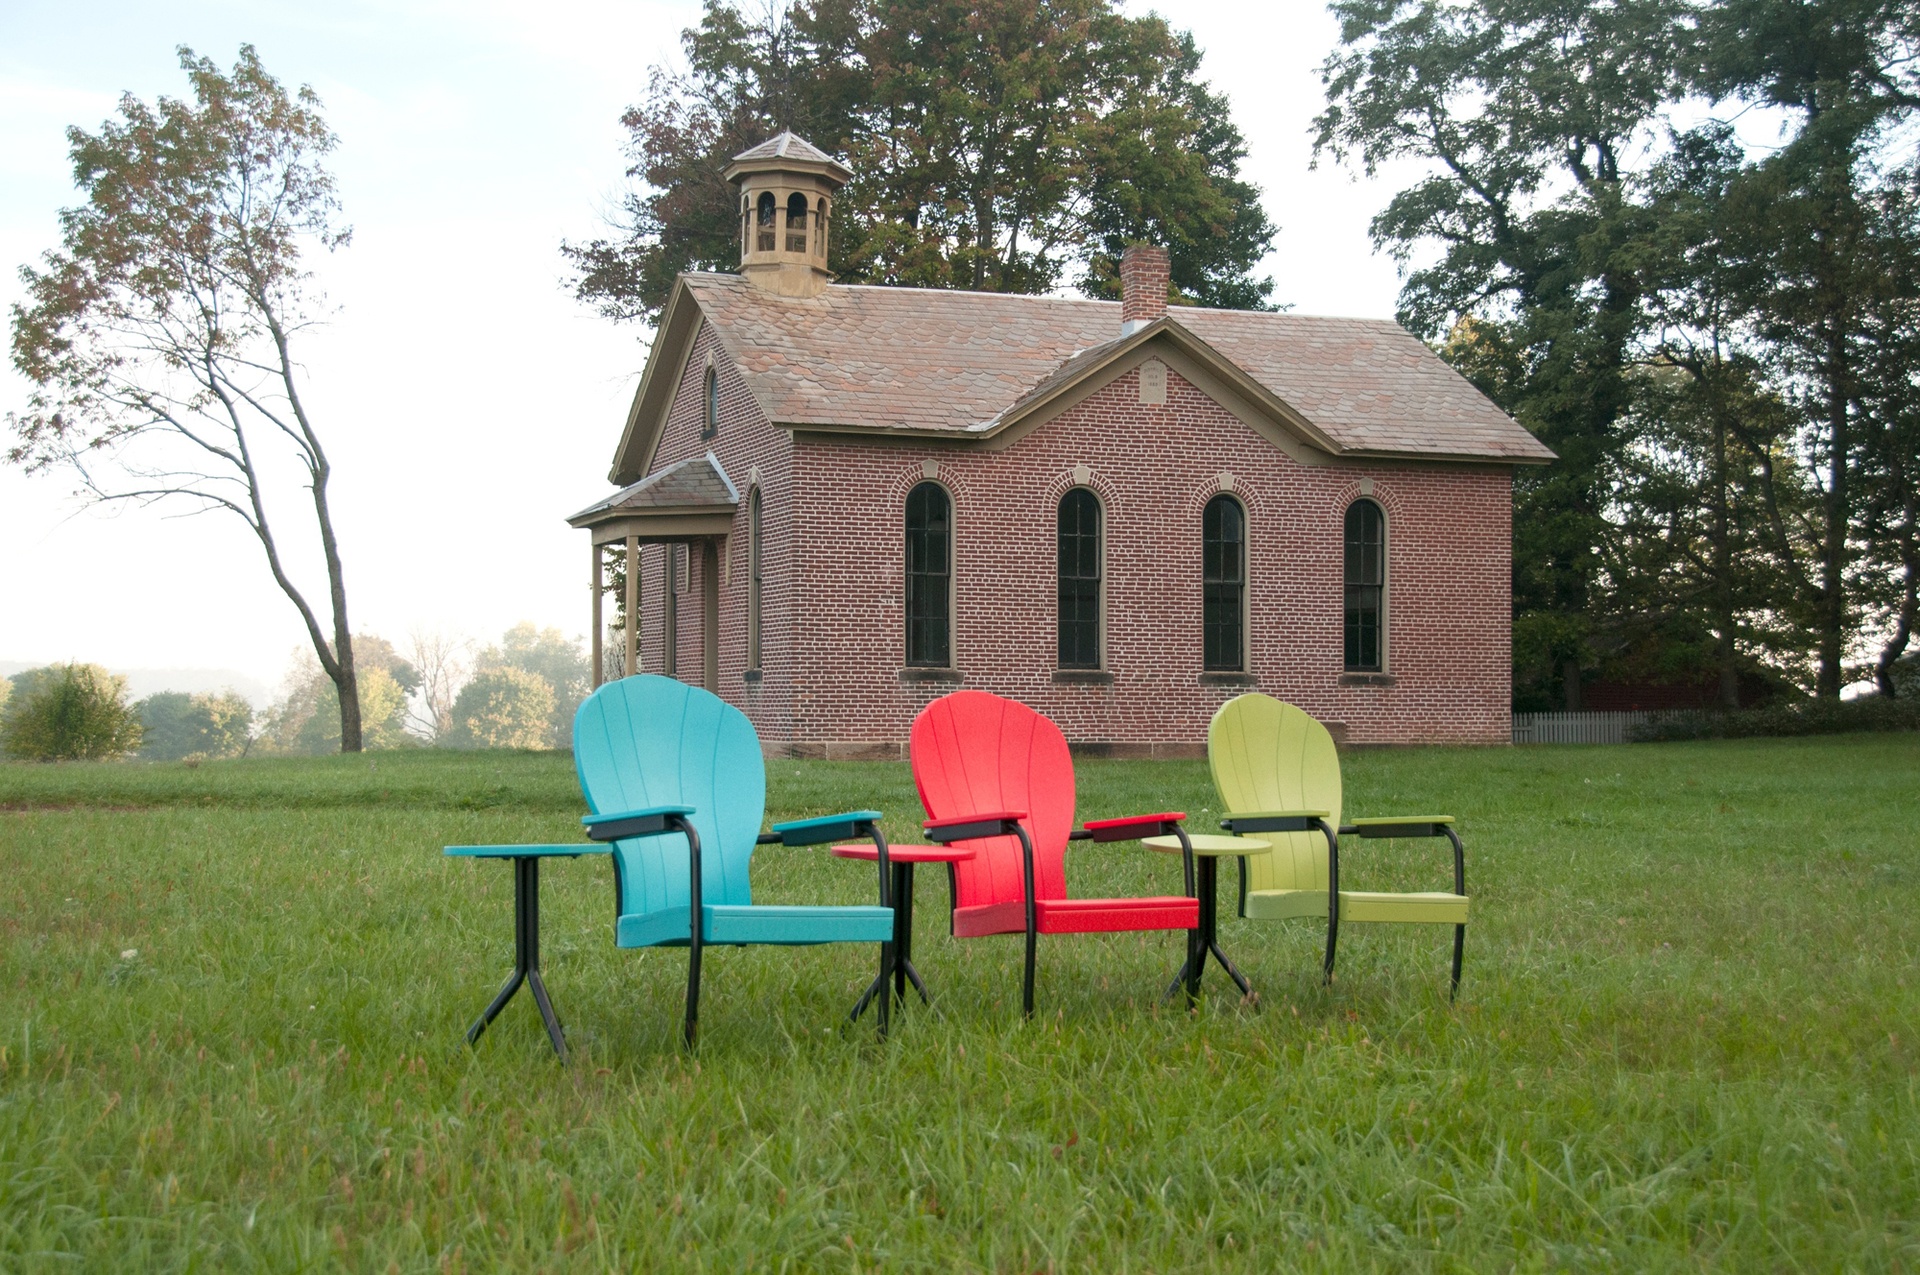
697,482
786,145
948,363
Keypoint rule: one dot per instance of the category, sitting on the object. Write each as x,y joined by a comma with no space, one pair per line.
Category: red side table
901,859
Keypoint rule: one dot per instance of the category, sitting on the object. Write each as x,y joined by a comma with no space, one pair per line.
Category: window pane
1366,561
1223,575
1079,580
929,533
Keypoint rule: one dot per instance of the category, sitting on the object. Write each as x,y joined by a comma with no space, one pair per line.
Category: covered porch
691,502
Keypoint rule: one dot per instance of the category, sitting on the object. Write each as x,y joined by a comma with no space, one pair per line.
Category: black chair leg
1333,938
1459,950
1026,988
692,1026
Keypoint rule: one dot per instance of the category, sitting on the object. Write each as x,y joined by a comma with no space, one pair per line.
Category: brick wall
833,639
1154,467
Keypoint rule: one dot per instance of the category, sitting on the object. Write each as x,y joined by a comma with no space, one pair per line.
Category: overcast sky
468,402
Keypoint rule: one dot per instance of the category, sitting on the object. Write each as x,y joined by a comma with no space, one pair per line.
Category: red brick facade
832,680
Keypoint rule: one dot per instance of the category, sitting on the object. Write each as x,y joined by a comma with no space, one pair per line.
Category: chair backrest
651,741
1266,755
975,753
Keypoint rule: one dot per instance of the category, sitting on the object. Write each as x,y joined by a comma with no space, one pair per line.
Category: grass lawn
1687,1036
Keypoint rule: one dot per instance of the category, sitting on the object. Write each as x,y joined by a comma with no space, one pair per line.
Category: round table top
1210,845
906,853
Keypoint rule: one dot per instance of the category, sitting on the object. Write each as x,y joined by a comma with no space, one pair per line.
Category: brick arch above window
1248,494
1097,482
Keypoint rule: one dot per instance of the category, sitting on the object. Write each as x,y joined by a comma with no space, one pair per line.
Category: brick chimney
1144,276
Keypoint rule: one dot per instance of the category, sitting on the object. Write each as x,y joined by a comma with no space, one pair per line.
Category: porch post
632,665
599,629
710,612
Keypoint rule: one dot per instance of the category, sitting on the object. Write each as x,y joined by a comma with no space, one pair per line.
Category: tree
550,655
1527,112
442,664
504,708
159,337
1719,344
69,712
175,724
305,719
1005,145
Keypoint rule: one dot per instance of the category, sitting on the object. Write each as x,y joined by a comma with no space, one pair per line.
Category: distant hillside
142,682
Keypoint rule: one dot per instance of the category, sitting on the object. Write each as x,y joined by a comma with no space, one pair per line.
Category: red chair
998,775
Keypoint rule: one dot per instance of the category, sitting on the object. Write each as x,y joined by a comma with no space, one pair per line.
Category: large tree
1004,145
159,337
1714,339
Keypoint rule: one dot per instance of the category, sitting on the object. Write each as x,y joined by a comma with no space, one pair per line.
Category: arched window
763,235
1223,540
755,560
1366,585
929,577
710,405
1079,591
746,224
796,222
820,229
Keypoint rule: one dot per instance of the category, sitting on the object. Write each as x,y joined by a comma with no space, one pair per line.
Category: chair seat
1435,908
787,926
1079,916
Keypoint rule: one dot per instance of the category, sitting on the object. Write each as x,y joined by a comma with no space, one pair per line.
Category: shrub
69,712
175,725
1796,717
503,708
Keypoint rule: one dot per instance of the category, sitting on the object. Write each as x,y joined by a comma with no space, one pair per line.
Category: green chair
1278,776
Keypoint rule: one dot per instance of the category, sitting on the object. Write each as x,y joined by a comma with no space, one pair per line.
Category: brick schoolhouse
845,501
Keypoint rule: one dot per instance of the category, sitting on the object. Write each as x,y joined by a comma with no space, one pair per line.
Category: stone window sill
1228,679
1082,677
930,675
1366,679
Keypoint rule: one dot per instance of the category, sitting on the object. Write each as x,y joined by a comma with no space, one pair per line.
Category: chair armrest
998,823
648,822
1400,826
813,832
1130,828
568,851
1274,821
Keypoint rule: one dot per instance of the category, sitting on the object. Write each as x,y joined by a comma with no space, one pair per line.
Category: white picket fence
1577,728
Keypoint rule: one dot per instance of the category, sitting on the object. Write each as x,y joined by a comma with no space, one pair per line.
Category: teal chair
675,780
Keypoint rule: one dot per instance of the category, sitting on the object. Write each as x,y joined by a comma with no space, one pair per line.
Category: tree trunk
1570,678
1725,652
1831,613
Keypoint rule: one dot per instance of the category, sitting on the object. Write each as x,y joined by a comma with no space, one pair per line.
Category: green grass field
1687,1036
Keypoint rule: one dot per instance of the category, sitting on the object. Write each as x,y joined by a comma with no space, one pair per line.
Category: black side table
1207,852
526,929
900,860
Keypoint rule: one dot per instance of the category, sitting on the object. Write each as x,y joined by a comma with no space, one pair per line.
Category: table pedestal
902,971
526,957
1204,941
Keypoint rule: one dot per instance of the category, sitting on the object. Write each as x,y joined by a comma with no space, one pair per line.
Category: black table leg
903,971
1205,941
526,957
